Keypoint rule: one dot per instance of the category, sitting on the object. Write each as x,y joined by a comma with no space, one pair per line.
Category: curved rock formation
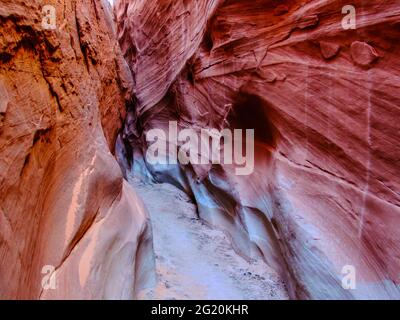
65,209
324,103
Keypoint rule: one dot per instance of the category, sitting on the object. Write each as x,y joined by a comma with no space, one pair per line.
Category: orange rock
65,210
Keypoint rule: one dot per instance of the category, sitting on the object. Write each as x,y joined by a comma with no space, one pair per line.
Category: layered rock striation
66,214
323,98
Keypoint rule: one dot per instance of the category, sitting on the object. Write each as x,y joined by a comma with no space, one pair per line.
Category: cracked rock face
324,103
63,202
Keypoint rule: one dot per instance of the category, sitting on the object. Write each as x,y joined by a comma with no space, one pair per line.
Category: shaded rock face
324,103
65,210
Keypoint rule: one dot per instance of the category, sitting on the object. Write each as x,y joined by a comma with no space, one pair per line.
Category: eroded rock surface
195,261
325,191
363,54
63,201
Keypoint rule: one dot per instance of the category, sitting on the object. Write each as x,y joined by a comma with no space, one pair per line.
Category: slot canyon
79,198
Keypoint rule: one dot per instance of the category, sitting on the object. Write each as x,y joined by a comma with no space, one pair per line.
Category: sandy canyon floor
195,261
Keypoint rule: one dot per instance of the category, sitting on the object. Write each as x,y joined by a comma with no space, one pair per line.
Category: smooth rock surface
63,200
195,261
328,49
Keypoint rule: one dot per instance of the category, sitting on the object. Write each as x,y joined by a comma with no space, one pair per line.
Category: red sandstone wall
63,201
325,105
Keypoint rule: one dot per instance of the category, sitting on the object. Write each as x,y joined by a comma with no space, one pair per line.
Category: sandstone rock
324,196
4,99
325,192
329,50
281,10
65,209
308,22
268,75
363,54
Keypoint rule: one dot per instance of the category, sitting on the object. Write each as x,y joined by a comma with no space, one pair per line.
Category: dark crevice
250,112
41,135
26,163
82,44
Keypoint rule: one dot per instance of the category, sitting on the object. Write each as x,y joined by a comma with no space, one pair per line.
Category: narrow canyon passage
85,86
195,261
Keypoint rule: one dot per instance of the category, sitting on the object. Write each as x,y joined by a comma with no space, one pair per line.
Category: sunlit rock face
64,205
324,102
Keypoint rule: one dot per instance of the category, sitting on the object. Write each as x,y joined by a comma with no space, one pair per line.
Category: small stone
363,54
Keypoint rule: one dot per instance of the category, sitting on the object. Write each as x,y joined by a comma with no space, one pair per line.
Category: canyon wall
323,99
66,214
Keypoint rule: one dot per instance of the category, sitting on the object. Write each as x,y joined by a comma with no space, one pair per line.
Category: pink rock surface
63,201
363,54
325,192
328,49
